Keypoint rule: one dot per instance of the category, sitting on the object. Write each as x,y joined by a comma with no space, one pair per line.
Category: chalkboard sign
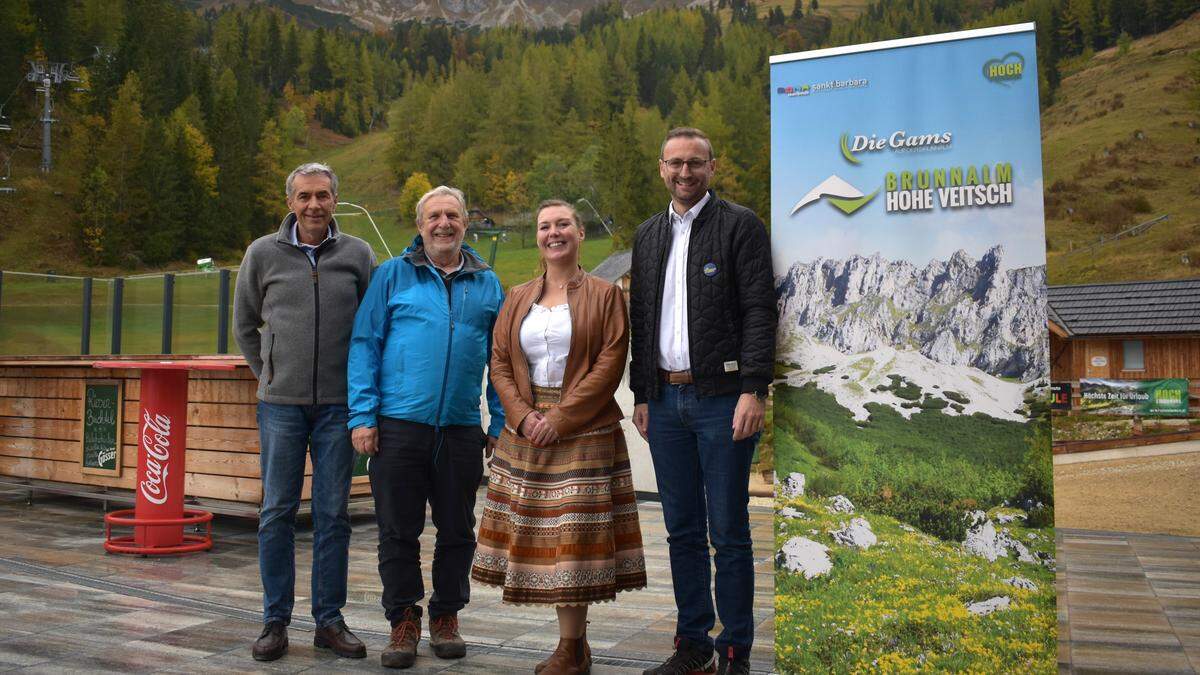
100,449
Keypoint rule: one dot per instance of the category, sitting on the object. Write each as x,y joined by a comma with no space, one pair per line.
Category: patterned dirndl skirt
560,523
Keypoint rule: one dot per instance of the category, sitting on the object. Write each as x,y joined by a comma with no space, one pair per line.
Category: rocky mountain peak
958,311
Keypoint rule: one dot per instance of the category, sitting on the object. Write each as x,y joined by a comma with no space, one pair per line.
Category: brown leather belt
675,376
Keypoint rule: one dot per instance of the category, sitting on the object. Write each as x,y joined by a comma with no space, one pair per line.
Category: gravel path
1158,495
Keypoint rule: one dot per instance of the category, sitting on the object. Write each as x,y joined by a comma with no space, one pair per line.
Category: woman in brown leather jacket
560,523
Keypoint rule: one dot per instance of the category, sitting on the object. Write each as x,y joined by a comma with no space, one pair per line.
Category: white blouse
546,339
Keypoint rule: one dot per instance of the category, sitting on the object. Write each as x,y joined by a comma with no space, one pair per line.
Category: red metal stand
158,517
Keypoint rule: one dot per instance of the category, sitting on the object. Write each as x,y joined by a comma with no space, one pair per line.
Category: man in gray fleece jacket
294,304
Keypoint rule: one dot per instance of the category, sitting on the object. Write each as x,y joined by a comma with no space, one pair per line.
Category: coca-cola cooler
159,518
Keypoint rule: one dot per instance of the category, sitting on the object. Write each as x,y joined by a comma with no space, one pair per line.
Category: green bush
956,397
1041,517
822,371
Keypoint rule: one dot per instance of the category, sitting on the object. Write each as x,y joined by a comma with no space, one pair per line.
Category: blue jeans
704,483
286,434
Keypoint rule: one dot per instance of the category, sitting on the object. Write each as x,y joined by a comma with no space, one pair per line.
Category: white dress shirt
546,340
673,343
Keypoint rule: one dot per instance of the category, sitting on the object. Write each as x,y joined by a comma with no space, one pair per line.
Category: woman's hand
543,434
529,424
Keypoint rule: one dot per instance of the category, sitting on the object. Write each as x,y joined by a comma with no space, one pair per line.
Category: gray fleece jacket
292,319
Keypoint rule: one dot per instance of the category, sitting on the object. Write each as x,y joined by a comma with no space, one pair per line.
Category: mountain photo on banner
911,439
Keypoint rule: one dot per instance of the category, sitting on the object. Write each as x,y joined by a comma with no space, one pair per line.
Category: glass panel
194,328
101,339
40,314
233,345
141,316
1134,356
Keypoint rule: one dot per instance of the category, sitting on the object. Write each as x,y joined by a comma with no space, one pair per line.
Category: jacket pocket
270,360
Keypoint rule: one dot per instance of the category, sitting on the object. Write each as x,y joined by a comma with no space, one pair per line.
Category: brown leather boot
444,637
573,656
401,651
542,665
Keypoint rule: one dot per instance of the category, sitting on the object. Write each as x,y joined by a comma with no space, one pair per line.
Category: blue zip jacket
416,354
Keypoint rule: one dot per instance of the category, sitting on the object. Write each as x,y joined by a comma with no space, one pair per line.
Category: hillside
1121,145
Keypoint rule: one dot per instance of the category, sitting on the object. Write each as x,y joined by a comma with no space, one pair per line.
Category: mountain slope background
1102,175
1120,146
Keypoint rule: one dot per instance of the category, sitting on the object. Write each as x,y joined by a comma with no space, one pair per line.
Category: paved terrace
67,605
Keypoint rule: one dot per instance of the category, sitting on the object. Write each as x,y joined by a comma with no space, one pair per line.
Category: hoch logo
1005,69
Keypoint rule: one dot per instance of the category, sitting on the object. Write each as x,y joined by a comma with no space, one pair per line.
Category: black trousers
416,464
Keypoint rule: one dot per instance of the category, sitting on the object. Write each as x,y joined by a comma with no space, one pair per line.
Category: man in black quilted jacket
702,312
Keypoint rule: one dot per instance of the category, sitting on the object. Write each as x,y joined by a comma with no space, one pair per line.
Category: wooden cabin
41,427
1125,331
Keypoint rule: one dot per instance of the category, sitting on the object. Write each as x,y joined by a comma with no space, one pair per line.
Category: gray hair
442,191
311,169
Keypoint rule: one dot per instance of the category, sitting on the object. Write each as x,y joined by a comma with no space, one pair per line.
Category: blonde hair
548,203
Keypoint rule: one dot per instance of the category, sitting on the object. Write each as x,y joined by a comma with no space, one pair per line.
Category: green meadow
901,605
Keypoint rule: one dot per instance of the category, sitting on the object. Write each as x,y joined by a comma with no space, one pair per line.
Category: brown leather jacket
595,363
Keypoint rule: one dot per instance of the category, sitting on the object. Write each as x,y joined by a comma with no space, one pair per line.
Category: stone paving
69,606
1127,603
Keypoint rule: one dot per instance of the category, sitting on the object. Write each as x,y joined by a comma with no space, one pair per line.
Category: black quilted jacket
731,301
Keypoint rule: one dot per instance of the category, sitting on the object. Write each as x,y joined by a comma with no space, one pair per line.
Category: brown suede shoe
444,637
401,651
337,637
573,656
273,642
542,665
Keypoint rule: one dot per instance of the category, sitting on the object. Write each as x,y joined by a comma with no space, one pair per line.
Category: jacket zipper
317,325
449,344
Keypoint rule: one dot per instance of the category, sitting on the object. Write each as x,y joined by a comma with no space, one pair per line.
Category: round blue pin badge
710,269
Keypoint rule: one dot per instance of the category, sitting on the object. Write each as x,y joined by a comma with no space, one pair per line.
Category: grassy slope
900,606
1089,145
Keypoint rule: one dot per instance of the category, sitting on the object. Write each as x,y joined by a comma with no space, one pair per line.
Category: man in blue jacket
421,339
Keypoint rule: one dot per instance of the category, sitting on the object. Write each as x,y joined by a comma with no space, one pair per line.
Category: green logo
1005,69
842,195
847,152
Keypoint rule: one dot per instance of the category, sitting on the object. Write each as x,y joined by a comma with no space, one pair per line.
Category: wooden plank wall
1163,357
40,430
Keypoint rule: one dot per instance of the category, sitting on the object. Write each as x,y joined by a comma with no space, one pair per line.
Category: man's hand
489,448
748,417
543,434
365,440
641,418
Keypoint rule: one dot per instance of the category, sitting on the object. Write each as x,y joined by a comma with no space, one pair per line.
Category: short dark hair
686,132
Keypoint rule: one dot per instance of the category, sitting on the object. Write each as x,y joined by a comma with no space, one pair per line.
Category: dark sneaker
688,659
401,651
273,642
731,664
444,637
337,637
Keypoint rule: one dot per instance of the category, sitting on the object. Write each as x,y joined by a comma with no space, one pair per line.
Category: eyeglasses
695,163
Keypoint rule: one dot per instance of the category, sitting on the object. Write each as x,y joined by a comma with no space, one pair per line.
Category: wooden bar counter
41,431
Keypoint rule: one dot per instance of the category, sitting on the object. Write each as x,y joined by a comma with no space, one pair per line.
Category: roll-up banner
912,447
